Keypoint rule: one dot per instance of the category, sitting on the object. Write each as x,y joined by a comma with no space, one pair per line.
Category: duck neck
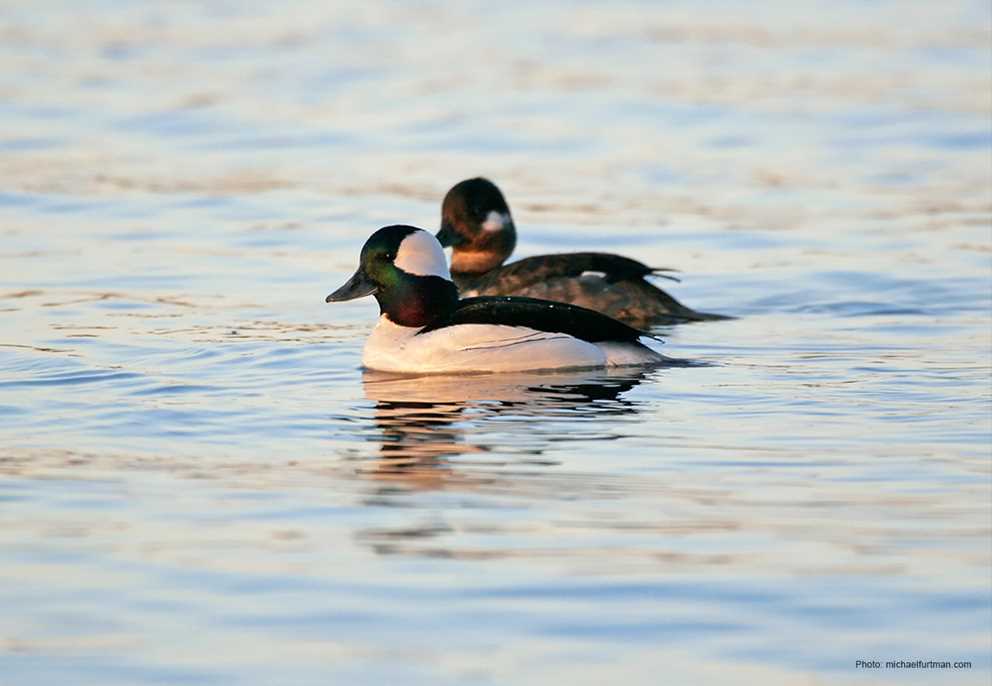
416,301
476,262
486,250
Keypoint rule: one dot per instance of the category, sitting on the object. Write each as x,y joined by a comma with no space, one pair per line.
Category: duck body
613,285
424,328
487,348
477,224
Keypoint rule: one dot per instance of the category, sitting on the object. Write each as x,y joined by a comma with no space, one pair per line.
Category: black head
404,268
476,223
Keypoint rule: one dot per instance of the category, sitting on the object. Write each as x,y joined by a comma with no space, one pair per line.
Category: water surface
199,485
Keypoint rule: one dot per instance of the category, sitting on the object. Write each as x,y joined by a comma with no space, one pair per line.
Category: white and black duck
425,328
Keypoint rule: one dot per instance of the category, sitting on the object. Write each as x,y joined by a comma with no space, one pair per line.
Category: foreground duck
477,225
424,327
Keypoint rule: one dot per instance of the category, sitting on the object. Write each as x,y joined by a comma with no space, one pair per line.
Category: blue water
200,485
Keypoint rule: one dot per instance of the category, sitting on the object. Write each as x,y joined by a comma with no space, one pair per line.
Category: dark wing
530,270
542,315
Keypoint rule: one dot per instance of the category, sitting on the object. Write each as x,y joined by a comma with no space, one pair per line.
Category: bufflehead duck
477,225
424,327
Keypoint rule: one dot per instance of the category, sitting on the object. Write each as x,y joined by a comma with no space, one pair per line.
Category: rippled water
199,485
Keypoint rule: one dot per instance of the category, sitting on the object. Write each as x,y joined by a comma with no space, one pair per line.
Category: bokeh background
200,486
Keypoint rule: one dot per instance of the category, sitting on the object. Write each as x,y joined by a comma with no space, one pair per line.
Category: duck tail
664,273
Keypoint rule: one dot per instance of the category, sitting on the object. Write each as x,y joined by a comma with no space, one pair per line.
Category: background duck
476,223
424,328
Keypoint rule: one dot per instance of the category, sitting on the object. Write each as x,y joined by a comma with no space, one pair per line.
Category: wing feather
530,270
542,315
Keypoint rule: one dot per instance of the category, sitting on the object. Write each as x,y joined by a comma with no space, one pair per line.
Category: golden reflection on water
422,418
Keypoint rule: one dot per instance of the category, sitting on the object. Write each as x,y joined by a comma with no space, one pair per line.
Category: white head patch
495,221
420,254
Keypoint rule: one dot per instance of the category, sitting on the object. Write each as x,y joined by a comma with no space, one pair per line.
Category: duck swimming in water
424,328
477,225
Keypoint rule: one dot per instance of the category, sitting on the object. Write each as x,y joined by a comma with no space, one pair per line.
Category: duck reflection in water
424,421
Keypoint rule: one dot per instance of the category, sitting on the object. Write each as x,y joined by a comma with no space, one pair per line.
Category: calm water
200,486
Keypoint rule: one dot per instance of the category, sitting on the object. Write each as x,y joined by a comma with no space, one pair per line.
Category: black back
542,315
529,270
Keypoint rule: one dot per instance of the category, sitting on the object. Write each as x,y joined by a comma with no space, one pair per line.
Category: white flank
625,354
420,254
495,221
475,348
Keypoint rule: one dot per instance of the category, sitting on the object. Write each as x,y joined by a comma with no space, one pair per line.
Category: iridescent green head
404,268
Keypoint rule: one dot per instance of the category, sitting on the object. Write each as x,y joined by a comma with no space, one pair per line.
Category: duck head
477,225
404,268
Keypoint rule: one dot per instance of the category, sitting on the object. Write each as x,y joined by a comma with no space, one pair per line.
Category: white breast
475,348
